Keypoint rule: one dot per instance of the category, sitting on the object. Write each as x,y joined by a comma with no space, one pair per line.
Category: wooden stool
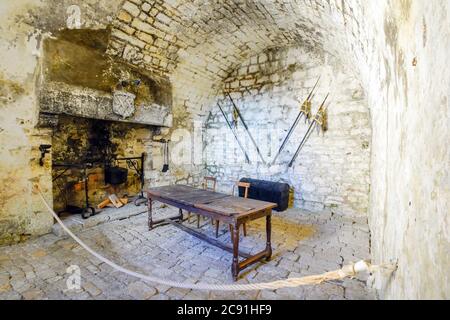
244,226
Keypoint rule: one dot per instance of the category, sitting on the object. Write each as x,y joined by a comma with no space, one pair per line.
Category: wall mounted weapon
165,143
45,149
235,118
247,159
319,121
238,113
305,110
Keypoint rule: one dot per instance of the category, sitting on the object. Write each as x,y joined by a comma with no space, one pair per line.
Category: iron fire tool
88,210
166,156
45,149
305,110
319,121
136,164
236,110
247,159
165,142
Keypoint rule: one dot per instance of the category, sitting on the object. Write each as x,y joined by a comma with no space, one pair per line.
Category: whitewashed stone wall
332,171
404,68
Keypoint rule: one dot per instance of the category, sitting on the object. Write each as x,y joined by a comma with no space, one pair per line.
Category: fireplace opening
93,160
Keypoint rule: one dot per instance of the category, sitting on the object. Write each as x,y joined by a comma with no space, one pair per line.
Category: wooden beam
203,237
252,260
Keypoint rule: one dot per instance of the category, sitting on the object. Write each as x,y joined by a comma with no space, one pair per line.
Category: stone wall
79,79
25,23
332,171
403,63
21,213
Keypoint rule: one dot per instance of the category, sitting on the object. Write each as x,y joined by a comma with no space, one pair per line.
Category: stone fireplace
95,143
96,110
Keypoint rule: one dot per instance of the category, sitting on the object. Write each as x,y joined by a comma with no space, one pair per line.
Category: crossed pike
305,110
232,128
237,114
318,122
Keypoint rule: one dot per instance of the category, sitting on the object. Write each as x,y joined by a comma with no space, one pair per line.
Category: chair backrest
209,183
242,185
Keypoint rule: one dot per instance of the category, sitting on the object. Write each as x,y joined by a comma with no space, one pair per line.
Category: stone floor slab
304,244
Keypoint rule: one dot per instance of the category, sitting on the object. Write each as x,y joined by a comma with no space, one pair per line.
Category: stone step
76,223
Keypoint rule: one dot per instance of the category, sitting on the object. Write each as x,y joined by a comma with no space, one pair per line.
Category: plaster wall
406,77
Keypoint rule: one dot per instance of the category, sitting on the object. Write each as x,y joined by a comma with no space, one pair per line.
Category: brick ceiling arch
198,43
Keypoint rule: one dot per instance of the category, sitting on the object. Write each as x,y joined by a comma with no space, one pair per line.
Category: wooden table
217,206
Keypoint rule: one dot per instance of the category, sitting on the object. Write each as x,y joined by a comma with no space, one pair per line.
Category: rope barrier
346,271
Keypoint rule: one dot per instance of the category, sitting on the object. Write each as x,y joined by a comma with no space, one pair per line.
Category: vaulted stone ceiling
198,43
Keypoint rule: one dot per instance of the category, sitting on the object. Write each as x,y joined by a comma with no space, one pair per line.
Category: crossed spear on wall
318,122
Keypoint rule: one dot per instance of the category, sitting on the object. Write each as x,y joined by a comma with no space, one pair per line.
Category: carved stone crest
123,104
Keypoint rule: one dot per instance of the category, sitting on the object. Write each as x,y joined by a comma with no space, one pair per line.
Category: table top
211,201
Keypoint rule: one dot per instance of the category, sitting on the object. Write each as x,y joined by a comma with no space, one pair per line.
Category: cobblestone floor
303,244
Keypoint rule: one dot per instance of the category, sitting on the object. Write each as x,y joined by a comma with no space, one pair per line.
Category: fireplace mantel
57,98
78,79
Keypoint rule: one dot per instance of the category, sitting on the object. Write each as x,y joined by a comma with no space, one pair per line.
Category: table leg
235,265
268,235
150,218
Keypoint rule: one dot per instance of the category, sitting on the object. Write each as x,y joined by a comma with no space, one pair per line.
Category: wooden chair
207,186
209,183
238,184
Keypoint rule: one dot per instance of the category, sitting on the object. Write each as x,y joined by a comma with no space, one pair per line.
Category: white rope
346,271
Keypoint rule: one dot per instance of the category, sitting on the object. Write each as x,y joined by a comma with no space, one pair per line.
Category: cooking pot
116,175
